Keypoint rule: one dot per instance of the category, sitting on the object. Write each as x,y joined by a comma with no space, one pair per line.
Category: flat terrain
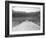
19,20
26,26
25,21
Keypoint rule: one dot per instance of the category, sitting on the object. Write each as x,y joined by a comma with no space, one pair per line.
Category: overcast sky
26,9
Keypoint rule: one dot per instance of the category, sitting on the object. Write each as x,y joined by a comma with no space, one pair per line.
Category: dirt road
25,26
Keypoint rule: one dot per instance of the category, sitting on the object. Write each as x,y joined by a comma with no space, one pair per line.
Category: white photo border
25,32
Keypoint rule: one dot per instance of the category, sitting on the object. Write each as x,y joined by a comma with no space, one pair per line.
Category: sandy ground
25,26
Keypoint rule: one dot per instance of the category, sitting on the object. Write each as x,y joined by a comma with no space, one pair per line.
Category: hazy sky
26,9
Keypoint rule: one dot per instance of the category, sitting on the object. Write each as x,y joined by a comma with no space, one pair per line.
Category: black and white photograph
25,18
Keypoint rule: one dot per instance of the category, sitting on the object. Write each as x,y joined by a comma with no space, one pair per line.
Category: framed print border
7,18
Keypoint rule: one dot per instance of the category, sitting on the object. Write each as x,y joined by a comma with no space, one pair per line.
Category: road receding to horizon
26,26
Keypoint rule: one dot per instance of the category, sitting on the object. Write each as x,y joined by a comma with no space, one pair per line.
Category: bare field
25,23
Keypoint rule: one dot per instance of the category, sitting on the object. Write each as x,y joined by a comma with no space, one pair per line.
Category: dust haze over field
25,21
